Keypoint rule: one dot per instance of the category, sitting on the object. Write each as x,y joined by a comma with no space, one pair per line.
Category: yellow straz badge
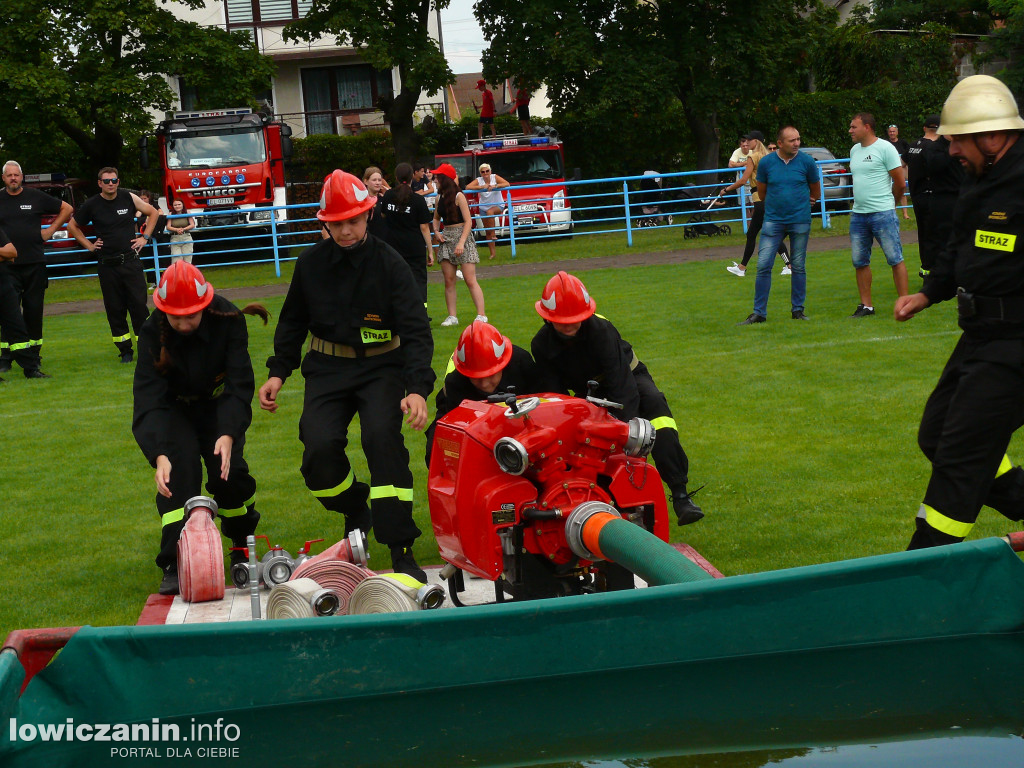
994,241
374,336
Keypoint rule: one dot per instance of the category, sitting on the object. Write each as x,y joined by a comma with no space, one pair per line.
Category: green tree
393,34
972,17
1007,42
91,69
713,58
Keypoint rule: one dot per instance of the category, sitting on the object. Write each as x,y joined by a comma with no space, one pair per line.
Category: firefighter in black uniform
978,402
370,354
577,346
485,363
117,246
11,321
21,212
193,402
935,180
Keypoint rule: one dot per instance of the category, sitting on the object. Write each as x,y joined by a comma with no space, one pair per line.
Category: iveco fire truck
222,162
521,160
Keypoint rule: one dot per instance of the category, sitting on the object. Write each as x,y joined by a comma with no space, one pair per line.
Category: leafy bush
317,155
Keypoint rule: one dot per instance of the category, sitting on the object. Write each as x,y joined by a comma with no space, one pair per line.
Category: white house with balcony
319,87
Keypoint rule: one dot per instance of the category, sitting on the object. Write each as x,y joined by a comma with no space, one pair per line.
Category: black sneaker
402,561
799,315
127,357
37,374
752,318
169,583
686,511
862,311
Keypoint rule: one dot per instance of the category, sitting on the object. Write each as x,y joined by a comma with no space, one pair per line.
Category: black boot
362,521
686,511
402,561
169,583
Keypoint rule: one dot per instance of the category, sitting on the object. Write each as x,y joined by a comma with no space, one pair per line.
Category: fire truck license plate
221,201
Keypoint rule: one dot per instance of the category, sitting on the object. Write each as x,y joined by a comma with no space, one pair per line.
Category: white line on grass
845,342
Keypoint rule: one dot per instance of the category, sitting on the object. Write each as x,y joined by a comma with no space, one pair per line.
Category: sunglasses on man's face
109,181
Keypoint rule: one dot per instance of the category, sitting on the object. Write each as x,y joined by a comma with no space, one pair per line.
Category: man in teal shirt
877,182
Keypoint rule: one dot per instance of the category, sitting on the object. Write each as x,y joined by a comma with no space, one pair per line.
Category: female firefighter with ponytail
194,386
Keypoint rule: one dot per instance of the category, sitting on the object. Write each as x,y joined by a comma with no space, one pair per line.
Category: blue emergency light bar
523,142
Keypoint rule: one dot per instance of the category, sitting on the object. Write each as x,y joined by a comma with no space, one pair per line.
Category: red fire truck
521,160
223,162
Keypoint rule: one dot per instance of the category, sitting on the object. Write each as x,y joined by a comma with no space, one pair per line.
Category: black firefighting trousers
124,296
15,337
934,214
967,424
29,282
669,456
336,390
194,435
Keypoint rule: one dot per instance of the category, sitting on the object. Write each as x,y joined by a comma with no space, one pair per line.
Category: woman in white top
490,201
179,225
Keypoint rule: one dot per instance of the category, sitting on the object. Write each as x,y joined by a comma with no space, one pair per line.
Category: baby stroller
651,197
700,223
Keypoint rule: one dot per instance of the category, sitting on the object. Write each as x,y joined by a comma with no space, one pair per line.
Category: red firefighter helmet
183,290
482,351
343,197
565,300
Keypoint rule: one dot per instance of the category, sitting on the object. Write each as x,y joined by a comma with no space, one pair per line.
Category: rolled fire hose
200,556
338,576
394,593
300,599
595,531
351,549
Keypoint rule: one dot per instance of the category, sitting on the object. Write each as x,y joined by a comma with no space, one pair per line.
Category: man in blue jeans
877,172
787,181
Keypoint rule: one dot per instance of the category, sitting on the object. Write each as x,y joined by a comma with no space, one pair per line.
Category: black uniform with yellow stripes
978,402
370,347
181,413
599,353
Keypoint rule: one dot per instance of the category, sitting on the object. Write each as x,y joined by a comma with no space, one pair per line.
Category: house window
331,91
249,13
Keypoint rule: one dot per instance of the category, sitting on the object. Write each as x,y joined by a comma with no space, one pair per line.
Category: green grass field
804,432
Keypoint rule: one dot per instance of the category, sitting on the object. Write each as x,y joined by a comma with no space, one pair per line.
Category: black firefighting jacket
210,367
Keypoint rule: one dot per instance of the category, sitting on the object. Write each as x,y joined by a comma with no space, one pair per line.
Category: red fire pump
513,480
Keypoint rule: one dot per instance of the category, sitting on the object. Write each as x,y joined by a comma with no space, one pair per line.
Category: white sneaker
449,321
786,271
737,270
482,318
458,274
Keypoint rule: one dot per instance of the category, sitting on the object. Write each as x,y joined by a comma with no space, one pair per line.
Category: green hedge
317,155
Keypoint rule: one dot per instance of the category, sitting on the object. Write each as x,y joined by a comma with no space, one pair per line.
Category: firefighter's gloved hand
415,408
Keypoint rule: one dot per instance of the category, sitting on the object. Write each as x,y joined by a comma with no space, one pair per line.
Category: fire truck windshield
215,148
525,167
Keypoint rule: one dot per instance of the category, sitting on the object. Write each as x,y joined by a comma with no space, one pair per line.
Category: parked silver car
837,186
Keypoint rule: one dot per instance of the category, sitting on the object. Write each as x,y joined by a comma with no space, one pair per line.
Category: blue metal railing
614,205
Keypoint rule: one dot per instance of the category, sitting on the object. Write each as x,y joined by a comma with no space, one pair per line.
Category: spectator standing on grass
408,226
369,355
179,227
122,282
21,214
456,247
490,203
740,154
935,179
373,178
893,134
976,406
877,173
758,151
787,182
193,404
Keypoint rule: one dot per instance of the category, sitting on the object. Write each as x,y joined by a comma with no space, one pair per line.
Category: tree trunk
704,129
398,111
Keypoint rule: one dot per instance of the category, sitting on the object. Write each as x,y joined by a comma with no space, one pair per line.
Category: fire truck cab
224,163
520,160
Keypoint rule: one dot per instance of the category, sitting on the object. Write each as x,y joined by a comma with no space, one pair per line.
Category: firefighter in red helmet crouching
193,404
577,346
369,353
486,363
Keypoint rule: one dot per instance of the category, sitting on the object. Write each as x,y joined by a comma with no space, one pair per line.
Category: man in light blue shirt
787,181
877,172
